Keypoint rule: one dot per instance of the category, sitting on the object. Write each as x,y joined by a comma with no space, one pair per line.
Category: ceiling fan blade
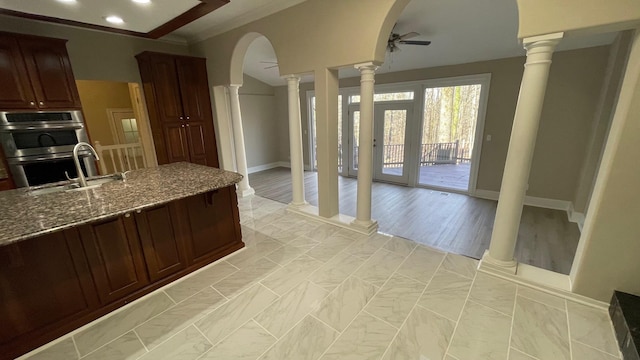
415,42
271,67
268,62
409,35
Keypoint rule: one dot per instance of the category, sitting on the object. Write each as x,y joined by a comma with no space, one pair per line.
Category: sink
68,186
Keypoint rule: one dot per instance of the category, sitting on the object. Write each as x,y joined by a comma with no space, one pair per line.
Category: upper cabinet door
50,73
194,87
15,88
166,87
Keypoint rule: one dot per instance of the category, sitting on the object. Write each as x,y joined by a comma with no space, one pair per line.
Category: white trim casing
528,200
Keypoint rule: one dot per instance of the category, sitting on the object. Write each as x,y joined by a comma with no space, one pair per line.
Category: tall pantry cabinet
178,100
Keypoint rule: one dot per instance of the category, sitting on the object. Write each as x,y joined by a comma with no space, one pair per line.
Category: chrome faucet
81,177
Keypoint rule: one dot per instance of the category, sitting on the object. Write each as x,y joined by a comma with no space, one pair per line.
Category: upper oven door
10,120
39,141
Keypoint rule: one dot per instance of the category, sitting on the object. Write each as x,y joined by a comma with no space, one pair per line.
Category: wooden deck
452,222
448,176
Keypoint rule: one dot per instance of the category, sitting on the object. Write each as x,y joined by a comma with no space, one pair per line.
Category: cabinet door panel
163,254
176,142
15,92
50,72
115,257
167,91
43,281
211,221
196,100
197,134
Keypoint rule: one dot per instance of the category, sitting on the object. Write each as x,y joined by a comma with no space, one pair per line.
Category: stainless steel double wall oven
39,145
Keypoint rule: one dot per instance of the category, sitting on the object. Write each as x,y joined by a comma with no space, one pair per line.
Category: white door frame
378,153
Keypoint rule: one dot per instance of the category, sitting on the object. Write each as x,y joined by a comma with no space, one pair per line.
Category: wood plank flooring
452,222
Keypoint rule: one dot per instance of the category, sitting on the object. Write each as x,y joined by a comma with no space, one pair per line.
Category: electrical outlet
489,137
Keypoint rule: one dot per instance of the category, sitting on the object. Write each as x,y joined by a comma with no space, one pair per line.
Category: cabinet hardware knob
41,103
32,103
187,125
187,118
138,211
181,118
127,215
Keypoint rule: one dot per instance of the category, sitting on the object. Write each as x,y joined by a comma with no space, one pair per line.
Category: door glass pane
356,139
395,124
339,134
448,134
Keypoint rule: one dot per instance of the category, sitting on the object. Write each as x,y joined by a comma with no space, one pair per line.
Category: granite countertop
25,215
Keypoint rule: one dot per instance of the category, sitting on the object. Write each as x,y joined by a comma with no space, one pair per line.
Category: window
395,96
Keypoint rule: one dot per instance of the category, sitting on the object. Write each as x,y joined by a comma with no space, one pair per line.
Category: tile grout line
466,301
566,307
414,306
108,343
364,311
522,352
598,350
75,346
140,339
513,317
262,327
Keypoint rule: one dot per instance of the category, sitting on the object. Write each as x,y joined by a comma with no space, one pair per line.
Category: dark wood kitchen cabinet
213,226
53,284
179,104
115,257
35,73
161,241
45,284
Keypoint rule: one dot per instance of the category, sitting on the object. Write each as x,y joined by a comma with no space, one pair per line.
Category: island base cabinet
115,257
53,284
212,225
45,284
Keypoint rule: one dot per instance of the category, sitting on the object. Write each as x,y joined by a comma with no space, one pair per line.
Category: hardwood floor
452,222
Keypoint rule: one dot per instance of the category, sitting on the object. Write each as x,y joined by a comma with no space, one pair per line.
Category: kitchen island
69,257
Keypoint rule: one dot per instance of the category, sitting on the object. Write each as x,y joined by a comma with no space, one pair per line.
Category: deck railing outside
430,154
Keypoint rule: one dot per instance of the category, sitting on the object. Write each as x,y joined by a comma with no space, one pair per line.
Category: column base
367,226
491,265
297,205
246,192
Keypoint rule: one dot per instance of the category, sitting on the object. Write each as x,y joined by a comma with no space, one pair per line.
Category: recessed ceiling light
142,1
114,19
67,1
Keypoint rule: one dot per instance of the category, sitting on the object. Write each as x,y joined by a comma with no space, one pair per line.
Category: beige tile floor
306,290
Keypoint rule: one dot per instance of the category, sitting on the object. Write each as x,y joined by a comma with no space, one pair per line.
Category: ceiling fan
396,39
270,64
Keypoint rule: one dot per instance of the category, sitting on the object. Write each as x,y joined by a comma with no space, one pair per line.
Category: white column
244,189
365,149
326,85
521,145
295,141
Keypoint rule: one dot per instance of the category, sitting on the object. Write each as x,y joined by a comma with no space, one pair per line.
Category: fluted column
244,189
521,146
365,148
295,141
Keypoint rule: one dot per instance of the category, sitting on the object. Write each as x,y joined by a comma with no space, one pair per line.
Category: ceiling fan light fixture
68,1
143,2
114,19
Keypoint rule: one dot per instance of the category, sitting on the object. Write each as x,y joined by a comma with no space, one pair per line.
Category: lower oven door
32,171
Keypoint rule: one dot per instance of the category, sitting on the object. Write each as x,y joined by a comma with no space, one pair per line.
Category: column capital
368,66
546,42
234,87
291,77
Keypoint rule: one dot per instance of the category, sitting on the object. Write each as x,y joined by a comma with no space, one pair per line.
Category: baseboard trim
575,217
264,167
542,280
343,221
528,200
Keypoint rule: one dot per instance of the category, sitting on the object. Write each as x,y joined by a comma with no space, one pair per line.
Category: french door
390,142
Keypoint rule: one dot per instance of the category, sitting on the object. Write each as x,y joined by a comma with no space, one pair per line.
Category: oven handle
6,128
34,159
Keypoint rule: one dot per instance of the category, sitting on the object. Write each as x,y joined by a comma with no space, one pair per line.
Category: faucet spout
76,160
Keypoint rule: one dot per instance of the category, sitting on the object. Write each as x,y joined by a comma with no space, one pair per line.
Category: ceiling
461,31
137,17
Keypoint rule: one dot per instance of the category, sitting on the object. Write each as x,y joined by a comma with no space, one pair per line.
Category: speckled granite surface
25,215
